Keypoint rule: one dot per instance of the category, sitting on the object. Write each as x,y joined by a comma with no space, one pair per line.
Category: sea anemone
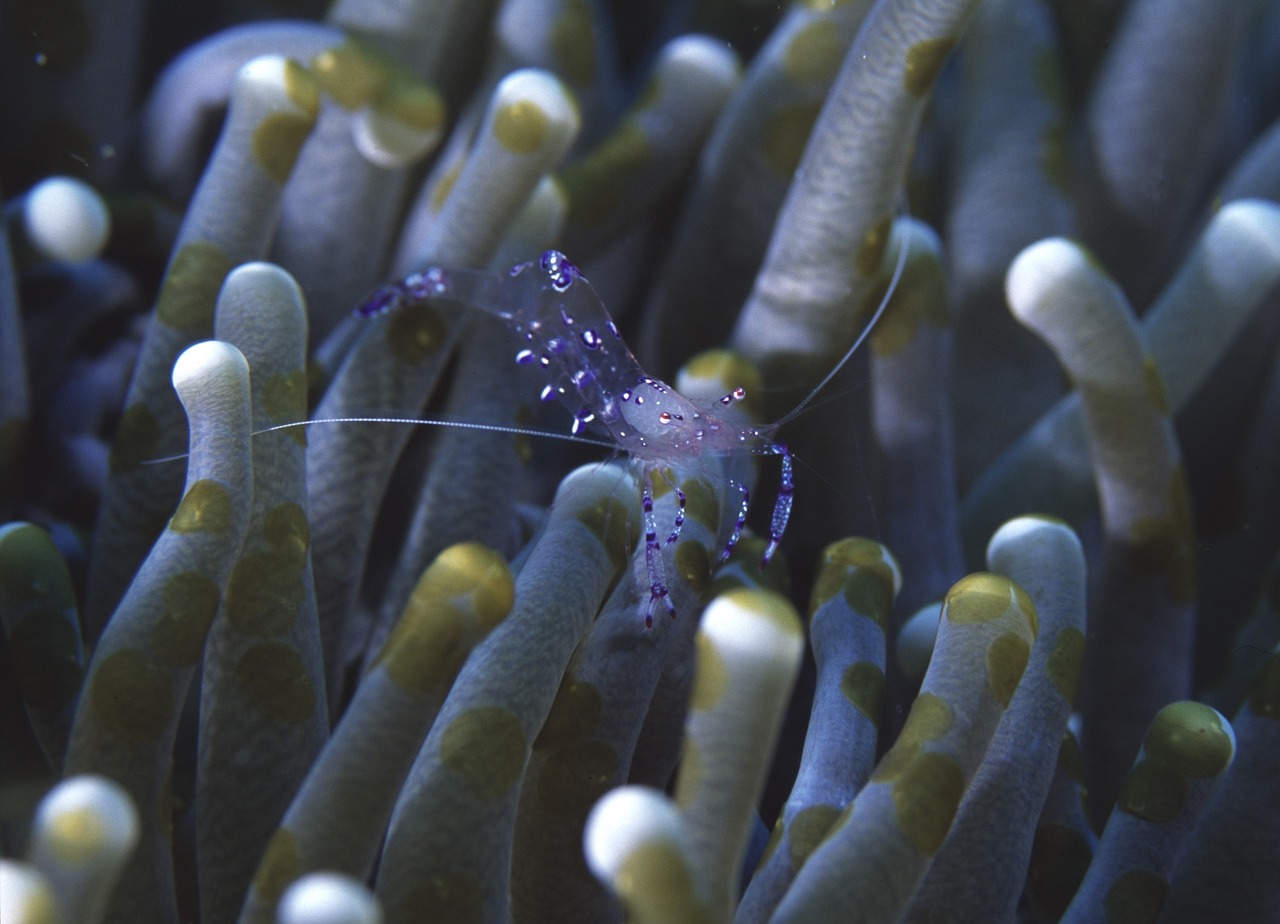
258,670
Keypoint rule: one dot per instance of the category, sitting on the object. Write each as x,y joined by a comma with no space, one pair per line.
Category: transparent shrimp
569,337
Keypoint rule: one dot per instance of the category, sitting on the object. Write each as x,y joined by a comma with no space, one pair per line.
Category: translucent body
583,359
571,340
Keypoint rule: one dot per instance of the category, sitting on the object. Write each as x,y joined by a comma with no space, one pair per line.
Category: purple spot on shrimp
583,378
548,393
613,329
556,346
590,339
382,300
524,357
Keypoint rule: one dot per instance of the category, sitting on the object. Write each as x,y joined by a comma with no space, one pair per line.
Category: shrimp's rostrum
570,338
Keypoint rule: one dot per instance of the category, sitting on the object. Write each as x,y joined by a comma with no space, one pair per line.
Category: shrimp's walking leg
740,522
681,501
679,521
781,507
653,558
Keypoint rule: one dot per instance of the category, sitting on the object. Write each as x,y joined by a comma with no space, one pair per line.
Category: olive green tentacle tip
459,599
38,600
864,571
279,136
354,73
31,568
1193,738
991,599
399,117
1185,742
984,597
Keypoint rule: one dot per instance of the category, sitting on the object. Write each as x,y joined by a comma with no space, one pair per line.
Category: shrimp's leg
781,507
681,501
678,524
740,522
653,558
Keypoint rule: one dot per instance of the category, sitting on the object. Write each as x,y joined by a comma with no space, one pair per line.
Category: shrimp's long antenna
418,421
439,422
898,269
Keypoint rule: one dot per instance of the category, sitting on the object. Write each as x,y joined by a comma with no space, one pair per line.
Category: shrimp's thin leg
681,501
781,507
678,524
653,558
740,522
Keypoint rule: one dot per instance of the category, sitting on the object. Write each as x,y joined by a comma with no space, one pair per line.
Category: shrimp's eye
558,269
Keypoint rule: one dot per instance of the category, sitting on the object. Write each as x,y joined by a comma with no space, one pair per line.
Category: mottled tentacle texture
131,706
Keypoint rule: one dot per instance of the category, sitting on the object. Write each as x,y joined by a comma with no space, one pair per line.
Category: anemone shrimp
568,336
